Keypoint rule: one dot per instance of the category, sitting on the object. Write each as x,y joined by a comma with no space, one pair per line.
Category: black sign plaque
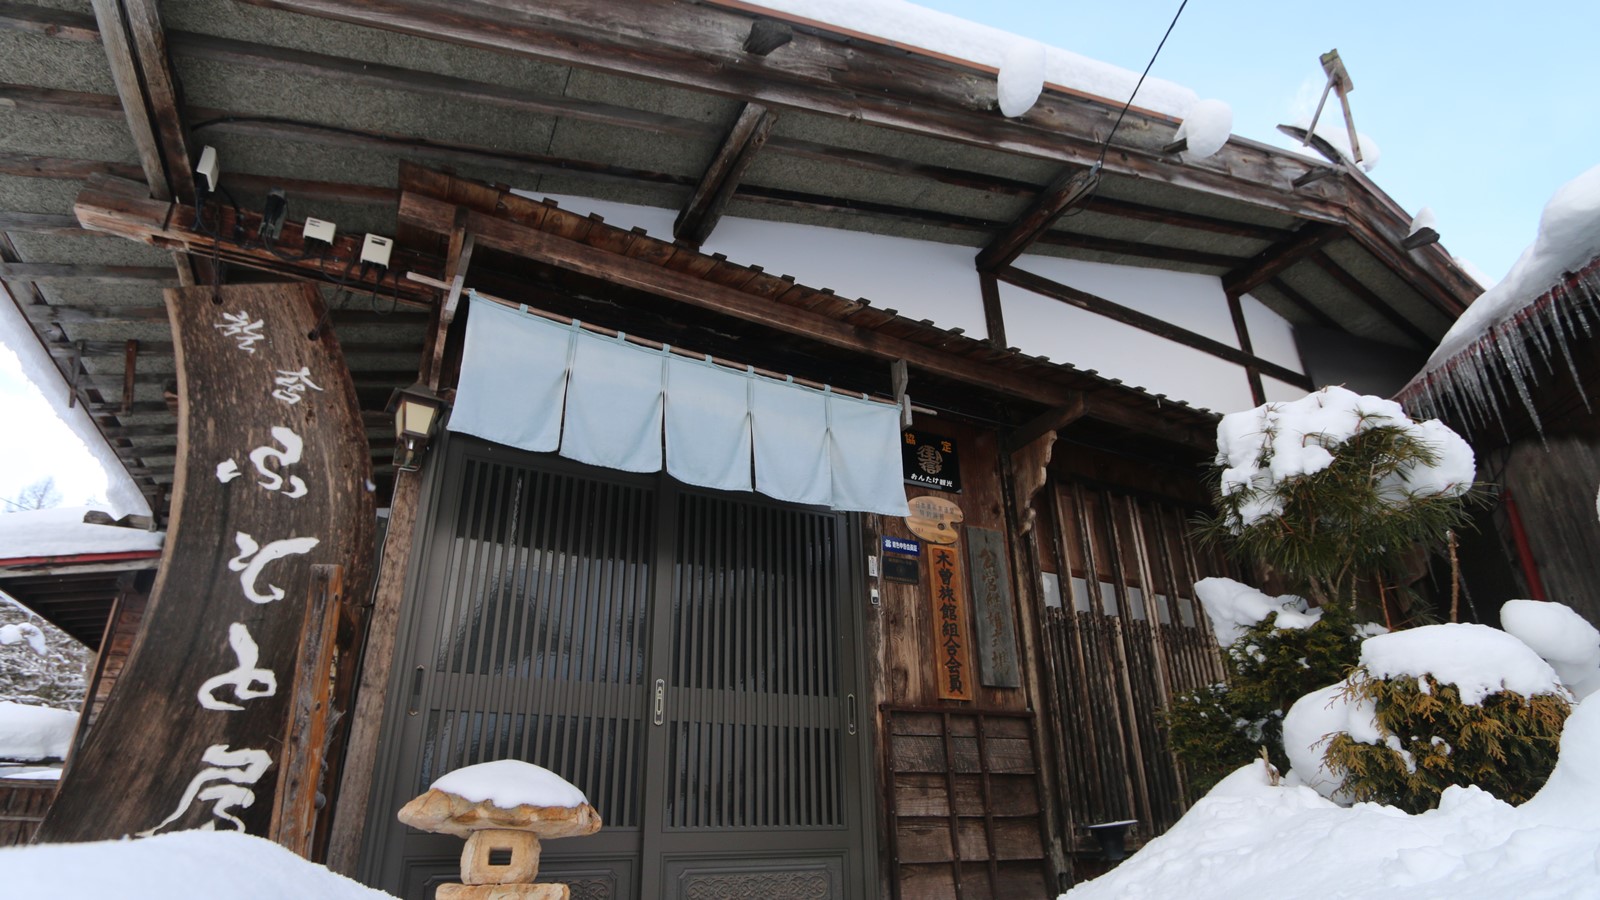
930,461
902,569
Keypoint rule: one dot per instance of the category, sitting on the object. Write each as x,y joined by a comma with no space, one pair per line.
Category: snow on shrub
1335,487
1563,638
1428,708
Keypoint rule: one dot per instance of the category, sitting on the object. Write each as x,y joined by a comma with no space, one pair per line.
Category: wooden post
294,819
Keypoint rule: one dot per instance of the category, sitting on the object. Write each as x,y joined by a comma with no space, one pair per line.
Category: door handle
416,690
850,714
660,715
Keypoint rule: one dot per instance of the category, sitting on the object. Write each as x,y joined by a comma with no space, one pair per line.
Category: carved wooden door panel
681,656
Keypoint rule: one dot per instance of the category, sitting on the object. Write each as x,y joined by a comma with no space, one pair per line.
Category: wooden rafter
994,319
1370,297
44,273
702,211
1159,327
39,223
1306,306
1068,188
1272,261
1242,331
700,47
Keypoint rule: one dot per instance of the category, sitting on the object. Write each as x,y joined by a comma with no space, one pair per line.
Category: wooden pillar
377,660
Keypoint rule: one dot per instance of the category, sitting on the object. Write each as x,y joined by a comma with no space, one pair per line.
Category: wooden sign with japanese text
273,479
991,608
947,596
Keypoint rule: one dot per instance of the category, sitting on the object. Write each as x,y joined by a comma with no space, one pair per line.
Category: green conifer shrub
1507,744
1219,728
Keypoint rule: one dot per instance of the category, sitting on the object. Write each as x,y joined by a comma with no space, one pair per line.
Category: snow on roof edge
928,32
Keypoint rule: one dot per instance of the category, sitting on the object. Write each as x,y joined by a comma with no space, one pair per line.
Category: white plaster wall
926,280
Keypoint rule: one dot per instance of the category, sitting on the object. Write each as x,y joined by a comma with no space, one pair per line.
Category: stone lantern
503,809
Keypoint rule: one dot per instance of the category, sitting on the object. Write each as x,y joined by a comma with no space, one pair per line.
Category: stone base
502,892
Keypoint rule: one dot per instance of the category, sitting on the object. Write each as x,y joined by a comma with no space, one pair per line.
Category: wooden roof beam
40,223
44,273
1305,305
722,175
1269,263
1145,322
700,47
1370,297
1069,188
439,217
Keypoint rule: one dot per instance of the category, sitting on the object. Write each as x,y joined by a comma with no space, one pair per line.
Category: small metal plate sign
901,546
930,461
902,569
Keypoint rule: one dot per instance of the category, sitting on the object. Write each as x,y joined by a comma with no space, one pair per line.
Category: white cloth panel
614,405
864,451
790,427
513,378
708,425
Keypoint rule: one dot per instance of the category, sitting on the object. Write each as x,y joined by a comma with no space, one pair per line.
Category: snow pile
1248,838
1563,638
186,865
1021,78
1477,659
908,25
1332,129
509,783
1234,608
61,531
1263,447
23,632
1312,721
1206,127
1423,219
35,732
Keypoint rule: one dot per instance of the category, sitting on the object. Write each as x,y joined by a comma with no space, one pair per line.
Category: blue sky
1480,109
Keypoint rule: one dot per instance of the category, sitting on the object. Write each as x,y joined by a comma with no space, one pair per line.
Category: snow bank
1206,127
61,531
1249,839
909,25
187,865
1568,238
1234,608
509,783
1561,637
24,632
1477,659
35,732
1261,448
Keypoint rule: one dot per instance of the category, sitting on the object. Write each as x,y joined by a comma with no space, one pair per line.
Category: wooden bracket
900,377
767,35
455,274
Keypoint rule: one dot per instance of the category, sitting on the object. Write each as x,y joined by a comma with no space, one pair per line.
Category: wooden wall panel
1554,487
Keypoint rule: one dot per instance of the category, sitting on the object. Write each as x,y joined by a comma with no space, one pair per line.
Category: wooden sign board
930,461
996,624
947,597
273,482
934,519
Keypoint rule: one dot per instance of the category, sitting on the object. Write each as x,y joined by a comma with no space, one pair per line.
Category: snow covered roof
59,534
1550,297
912,27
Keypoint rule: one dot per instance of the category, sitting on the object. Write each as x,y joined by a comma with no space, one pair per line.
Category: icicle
1535,328
1488,387
1507,342
1558,328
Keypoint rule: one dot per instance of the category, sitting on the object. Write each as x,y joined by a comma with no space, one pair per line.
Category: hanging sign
930,461
991,608
947,593
273,480
934,519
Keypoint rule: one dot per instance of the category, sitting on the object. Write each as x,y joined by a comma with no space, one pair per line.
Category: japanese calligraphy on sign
271,489
947,596
929,460
991,608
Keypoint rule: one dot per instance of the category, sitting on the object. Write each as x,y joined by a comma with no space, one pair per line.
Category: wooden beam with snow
701,47
1159,327
703,210
1068,189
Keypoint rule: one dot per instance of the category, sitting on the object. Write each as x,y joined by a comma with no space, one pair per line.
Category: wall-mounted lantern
416,416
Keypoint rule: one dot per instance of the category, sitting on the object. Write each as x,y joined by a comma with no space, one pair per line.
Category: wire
1107,145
